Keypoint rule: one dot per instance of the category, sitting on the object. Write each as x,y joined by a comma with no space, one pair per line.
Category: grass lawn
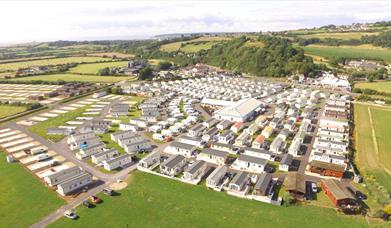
360,51
23,199
374,164
75,77
196,47
8,110
93,68
45,62
339,35
192,45
384,86
41,127
153,201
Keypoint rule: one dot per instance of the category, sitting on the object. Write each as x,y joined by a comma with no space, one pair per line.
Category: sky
93,20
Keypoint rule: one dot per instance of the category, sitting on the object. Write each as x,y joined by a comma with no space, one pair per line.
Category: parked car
359,195
108,191
70,214
87,203
95,199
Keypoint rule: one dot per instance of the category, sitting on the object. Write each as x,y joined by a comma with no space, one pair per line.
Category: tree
104,71
116,90
287,198
387,209
145,74
164,65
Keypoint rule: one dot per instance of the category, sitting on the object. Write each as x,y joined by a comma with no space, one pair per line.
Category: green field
23,199
74,77
379,86
45,62
373,142
194,45
360,51
8,110
339,35
153,201
93,68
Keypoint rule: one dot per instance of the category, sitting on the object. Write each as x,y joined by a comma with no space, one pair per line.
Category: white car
314,188
70,214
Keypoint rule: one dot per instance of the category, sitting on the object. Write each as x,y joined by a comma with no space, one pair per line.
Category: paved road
305,158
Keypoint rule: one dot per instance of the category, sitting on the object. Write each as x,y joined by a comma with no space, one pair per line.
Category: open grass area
372,142
339,35
23,199
360,51
45,62
111,54
384,86
8,110
75,77
93,68
194,45
255,43
153,201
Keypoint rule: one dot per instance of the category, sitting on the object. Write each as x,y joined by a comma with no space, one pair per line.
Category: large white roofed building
239,111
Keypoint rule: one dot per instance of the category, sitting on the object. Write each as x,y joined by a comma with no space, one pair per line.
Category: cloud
78,20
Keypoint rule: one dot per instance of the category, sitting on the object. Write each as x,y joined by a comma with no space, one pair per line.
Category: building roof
241,108
295,182
259,139
240,178
252,159
256,150
286,159
329,166
263,182
336,189
71,181
173,161
195,166
213,152
216,102
118,158
182,145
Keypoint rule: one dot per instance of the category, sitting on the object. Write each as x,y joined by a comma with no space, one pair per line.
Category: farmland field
360,51
338,35
93,68
111,54
45,62
74,77
193,45
8,110
153,201
373,142
23,199
379,86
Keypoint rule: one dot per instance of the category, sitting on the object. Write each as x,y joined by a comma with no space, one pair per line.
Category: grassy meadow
93,68
384,86
44,62
23,199
372,137
153,201
194,45
338,35
8,110
360,51
74,77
